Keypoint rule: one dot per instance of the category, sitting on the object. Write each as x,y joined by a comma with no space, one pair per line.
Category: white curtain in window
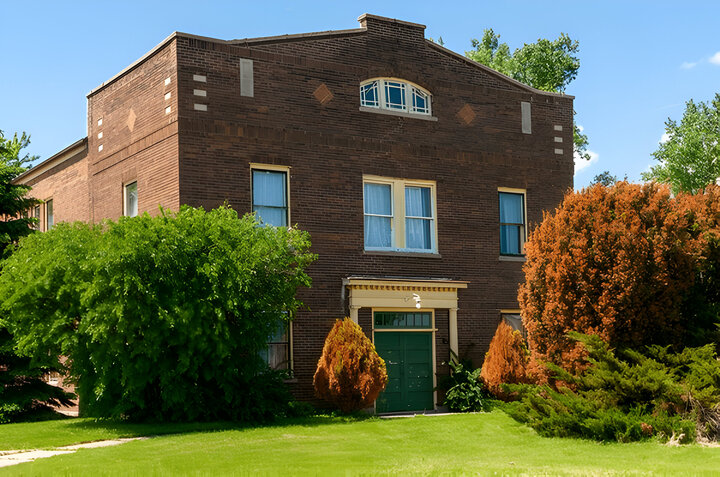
511,208
270,197
378,215
418,224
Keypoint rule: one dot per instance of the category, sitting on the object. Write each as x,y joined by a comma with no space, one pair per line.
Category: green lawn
449,445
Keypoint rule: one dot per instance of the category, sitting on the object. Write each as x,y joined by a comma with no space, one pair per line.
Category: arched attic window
395,94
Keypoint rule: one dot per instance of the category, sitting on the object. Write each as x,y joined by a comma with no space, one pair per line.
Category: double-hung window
277,353
395,95
130,208
512,221
270,196
399,215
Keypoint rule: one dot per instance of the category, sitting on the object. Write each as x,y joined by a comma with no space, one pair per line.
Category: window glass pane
418,234
515,322
49,215
395,95
270,197
131,200
275,216
378,199
420,102
269,188
510,239
391,319
378,231
418,202
511,208
277,353
368,94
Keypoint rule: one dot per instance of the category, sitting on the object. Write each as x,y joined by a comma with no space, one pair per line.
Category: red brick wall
330,146
139,139
67,186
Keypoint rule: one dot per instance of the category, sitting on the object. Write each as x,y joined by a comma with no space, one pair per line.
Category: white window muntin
399,218
379,93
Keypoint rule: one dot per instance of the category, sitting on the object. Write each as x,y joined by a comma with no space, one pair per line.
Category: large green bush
627,395
161,317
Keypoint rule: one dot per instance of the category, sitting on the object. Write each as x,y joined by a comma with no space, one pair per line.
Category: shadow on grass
138,429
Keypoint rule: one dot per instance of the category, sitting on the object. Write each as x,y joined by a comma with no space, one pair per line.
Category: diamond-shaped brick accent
131,120
466,114
323,94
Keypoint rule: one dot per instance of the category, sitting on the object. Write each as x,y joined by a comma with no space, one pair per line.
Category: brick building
416,171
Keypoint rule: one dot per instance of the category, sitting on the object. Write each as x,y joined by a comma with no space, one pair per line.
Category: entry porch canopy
434,293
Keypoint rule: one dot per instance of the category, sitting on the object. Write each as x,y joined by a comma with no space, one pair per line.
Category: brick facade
305,114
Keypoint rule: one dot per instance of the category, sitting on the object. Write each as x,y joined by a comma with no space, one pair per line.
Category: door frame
432,329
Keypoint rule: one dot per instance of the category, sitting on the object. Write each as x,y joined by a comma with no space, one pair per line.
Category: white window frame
272,168
410,91
125,199
523,235
399,217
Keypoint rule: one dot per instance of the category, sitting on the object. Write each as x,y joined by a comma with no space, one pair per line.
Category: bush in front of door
350,374
160,317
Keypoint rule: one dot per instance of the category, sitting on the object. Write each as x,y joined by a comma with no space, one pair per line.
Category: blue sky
640,60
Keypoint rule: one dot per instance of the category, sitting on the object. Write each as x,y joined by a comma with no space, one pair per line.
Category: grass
450,445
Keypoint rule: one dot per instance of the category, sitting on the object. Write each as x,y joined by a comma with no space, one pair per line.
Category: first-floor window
270,196
277,353
512,223
49,214
131,200
36,216
514,320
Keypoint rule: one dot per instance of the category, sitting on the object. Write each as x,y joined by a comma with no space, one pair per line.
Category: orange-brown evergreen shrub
350,374
506,360
618,262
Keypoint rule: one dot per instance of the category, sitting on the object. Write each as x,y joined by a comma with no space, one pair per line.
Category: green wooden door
408,357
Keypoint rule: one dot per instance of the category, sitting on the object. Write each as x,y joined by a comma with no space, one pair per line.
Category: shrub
627,395
161,317
620,262
350,374
506,361
464,389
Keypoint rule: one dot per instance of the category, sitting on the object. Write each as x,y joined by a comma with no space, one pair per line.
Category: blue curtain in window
378,201
270,197
511,223
418,231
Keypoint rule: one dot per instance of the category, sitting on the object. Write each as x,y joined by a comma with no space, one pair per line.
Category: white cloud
715,59
581,164
664,138
688,64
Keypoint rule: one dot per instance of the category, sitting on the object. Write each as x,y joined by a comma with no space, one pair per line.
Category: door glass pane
394,319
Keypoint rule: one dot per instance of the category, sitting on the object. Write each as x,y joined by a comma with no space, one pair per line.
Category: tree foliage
690,159
624,263
350,374
13,201
161,317
604,178
548,65
506,361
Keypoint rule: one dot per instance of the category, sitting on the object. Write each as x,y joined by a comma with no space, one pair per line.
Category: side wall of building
133,137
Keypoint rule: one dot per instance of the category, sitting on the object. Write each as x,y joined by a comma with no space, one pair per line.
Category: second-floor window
395,95
131,200
512,222
399,215
270,197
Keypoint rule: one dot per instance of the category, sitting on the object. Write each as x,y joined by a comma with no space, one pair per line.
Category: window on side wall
36,216
130,208
270,195
277,353
512,222
399,215
395,95
49,214
514,320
